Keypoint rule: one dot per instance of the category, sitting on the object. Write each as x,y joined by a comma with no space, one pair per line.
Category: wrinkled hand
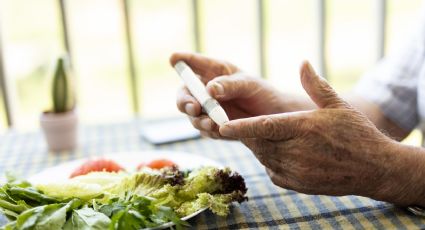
241,96
333,150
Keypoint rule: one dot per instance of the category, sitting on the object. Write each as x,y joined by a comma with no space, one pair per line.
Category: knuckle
226,68
268,122
270,128
207,124
195,122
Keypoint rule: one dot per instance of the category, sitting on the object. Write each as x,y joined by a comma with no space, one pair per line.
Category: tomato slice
160,163
157,164
98,165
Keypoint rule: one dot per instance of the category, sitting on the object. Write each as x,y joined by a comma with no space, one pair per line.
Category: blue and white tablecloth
269,207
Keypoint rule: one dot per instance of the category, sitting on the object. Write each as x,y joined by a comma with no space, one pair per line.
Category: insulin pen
197,89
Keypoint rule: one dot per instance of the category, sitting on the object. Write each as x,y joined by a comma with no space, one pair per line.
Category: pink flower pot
60,130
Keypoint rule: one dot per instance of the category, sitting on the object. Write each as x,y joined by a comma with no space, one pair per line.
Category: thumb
233,86
318,88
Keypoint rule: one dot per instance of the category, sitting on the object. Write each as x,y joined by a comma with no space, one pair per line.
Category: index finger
207,68
271,127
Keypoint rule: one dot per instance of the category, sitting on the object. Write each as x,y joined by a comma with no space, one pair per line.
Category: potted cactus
59,124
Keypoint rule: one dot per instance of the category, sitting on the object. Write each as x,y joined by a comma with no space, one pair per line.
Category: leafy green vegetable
135,212
28,219
17,208
168,213
214,181
105,200
218,204
18,196
139,183
15,180
9,226
31,194
71,189
208,187
52,216
87,219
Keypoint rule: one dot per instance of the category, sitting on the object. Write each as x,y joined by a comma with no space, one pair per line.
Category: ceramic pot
60,130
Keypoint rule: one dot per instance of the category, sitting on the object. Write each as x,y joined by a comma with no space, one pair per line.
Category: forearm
404,182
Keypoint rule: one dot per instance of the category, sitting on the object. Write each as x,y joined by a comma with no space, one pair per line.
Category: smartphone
169,131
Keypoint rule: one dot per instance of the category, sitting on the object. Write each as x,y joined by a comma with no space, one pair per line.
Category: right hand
240,95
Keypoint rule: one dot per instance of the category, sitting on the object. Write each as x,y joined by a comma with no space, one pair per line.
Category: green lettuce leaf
135,212
87,219
17,197
208,187
218,204
84,187
71,189
52,216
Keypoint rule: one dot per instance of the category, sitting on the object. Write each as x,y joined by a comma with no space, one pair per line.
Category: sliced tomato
157,164
98,165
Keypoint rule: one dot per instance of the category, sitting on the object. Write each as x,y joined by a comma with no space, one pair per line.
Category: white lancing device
198,90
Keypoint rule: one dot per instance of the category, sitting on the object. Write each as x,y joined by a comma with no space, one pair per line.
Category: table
269,207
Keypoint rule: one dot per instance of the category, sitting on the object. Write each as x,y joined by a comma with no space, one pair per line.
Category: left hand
334,150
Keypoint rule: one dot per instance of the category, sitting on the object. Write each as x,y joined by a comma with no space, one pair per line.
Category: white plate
128,160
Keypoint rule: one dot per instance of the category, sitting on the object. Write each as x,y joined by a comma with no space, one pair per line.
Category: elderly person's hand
333,150
240,95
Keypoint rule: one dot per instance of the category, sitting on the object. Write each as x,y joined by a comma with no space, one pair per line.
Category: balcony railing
196,6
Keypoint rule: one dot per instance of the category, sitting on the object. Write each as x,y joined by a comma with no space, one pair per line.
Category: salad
102,195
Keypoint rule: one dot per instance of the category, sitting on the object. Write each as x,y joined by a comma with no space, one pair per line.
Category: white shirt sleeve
393,83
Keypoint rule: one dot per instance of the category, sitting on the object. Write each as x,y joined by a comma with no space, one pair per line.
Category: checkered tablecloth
268,206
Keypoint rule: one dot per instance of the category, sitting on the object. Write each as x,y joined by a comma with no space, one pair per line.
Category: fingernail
310,69
312,72
226,130
190,109
218,88
206,124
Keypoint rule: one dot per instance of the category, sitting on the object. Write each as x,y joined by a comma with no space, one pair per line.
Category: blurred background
120,48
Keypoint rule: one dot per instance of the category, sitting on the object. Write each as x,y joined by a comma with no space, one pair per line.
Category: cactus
62,93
